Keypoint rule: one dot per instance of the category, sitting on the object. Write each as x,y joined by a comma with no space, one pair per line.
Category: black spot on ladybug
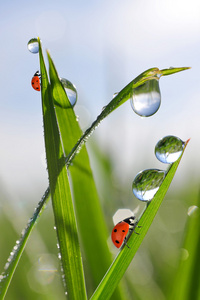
37,88
32,82
117,242
123,230
115,230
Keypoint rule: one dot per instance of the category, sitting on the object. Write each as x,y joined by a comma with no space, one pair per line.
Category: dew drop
169,149
146,98
193,210
70,90
33,45
1,277
146,183
184,254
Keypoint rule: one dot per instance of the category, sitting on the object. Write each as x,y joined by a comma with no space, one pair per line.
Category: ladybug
120,231
35,82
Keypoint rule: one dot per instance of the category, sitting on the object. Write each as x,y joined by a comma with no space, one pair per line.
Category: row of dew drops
147,182
145,101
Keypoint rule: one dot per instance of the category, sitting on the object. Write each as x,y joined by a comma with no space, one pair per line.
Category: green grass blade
15,255
61,196
125,94
92,228
186,284
125,256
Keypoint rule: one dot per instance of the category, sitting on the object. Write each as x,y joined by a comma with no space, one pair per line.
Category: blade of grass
125,94
61,196
125,256
13,260
186,284
92,227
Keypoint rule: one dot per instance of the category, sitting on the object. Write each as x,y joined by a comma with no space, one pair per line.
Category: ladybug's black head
37,73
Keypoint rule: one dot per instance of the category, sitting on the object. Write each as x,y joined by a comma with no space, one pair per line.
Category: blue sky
100,46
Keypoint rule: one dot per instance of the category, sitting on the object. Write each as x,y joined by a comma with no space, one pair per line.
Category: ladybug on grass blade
121,229
35,82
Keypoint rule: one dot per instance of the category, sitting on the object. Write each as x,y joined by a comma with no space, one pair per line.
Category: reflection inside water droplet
33,45
146,98
70,90
169,149
146,183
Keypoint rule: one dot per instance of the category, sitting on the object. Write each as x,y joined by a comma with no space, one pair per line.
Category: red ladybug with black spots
121,230
35,82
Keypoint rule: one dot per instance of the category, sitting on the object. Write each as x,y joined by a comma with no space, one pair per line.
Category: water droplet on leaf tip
169,149
70,91
146,98
33,45
146,183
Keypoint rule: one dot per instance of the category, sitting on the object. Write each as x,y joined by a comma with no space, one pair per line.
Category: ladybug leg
126,243
137,227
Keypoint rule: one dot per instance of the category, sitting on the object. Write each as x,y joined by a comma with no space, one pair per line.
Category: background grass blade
61,196
186,283
12,262
125,256
92,227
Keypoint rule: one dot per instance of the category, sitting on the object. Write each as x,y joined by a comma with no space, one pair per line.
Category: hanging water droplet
169,149
70,90
146,98
146,183
33,45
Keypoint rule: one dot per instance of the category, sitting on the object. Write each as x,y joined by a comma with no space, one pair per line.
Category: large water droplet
33,45
146,98
146,183
70,90
169,149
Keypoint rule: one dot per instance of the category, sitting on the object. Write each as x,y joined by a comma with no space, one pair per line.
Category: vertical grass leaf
92,228
61,196
186,284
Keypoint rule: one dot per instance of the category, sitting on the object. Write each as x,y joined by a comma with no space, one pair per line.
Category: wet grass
81,229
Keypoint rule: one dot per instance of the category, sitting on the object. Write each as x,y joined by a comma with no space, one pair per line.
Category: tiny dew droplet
146,183
146,98
33,45
193,211
70,90
169,149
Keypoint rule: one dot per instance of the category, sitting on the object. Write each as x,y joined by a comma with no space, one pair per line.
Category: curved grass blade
125,256
12,262
62,203
92,227
125,94
186,284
